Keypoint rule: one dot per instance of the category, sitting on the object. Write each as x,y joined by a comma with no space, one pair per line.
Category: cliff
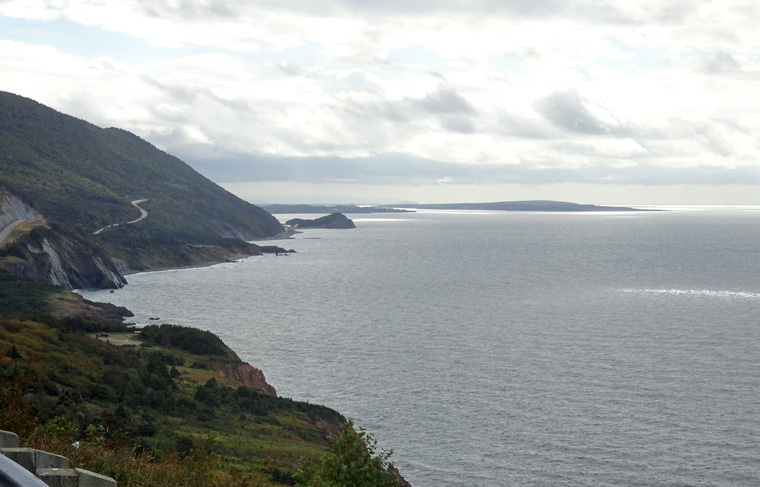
333,220
245,374
47,253
13,209
60,260
111,395
83,181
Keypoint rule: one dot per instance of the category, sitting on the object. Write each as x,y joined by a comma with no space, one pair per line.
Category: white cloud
590,92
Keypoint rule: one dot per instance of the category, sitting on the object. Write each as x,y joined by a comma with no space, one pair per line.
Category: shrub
353,461
192,340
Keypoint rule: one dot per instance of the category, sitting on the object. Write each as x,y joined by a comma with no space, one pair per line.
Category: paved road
5,232
143,215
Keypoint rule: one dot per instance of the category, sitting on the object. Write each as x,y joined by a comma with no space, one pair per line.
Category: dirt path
143,215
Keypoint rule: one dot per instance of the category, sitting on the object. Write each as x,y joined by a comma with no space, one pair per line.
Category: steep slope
48,252
85,178
164,401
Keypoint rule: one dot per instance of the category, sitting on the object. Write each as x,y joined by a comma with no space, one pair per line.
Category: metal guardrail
14,475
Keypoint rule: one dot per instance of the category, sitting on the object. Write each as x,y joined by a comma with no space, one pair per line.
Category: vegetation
147,410
85,178
156,412
353,461
20,296
193,340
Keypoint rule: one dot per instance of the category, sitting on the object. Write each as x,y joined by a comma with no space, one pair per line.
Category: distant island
333,220
332,209
533,205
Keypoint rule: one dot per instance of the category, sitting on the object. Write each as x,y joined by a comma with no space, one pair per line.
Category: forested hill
85,178
82,178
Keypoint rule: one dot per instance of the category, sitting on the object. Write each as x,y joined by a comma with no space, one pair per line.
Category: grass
23,229
142,412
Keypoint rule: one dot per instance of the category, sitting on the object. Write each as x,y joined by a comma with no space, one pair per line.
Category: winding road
143,215
6,231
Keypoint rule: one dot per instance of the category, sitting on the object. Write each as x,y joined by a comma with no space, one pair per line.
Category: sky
367,101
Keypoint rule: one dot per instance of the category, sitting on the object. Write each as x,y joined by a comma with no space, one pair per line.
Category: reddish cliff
246,374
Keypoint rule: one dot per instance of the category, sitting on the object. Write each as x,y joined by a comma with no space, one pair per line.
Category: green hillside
146,414
165,406
85,177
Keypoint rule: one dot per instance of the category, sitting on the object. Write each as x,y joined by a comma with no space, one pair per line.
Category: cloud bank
392,93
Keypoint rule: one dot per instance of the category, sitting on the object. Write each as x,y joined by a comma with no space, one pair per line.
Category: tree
353,461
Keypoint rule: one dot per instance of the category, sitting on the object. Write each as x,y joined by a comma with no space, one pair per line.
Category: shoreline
286,234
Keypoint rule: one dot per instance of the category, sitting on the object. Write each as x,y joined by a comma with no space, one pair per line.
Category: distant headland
332,209
333,220
531,205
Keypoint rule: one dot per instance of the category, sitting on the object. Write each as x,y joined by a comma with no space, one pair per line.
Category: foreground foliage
353,461
149,412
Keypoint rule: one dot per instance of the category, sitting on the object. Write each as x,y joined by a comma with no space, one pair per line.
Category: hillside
165,406
156,397
85,178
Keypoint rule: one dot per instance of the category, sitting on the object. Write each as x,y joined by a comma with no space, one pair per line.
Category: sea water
508,349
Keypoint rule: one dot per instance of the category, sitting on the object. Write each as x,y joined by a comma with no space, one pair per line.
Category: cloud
721,63
385,92
445,101
397,169
570,111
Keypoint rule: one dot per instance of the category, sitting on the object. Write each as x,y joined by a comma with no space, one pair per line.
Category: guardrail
27,467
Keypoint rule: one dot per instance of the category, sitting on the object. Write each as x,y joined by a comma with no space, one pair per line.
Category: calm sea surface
508,349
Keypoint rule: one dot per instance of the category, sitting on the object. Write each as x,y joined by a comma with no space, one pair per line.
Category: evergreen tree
353,461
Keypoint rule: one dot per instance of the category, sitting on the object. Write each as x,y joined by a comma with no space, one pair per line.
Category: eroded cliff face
13,209
51,255
246,374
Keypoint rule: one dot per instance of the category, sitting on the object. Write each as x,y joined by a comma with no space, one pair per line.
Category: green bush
353,461
192,340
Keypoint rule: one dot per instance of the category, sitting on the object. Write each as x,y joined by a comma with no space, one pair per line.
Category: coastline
287,234
233,258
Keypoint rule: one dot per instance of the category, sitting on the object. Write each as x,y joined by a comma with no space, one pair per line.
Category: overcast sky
368,101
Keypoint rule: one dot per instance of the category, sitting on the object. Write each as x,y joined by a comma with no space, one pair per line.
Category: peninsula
333,220
531,205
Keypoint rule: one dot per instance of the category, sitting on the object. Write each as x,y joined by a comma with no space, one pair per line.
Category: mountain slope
61,163
84,178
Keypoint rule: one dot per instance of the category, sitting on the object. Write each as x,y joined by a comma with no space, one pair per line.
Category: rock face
102,312
333,220
51,255
13,209
247,375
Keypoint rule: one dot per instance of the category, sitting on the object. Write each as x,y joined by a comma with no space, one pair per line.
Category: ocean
507,349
